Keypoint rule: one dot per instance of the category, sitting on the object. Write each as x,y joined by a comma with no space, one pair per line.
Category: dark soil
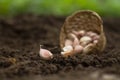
21,36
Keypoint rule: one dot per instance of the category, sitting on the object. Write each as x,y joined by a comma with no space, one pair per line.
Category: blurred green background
59,7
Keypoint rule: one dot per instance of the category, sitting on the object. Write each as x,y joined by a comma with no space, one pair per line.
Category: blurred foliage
59,7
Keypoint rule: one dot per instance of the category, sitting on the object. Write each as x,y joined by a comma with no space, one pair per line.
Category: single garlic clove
81,32
91,34
72,36
78,49
75,42
96,37
83,44
95,41
87,48
67,51
85,40
68,42
45,54
68,48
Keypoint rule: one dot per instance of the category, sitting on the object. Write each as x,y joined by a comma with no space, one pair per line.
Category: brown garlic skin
84,20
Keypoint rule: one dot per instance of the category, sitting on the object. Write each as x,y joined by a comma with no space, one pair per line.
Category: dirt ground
20,40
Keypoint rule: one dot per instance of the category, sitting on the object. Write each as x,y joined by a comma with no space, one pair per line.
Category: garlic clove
95,41
81,32
45,54
78,49
72,36
75,42
68,48
83,44
87,48
96,37
68,42
85,40
91,34
67,51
